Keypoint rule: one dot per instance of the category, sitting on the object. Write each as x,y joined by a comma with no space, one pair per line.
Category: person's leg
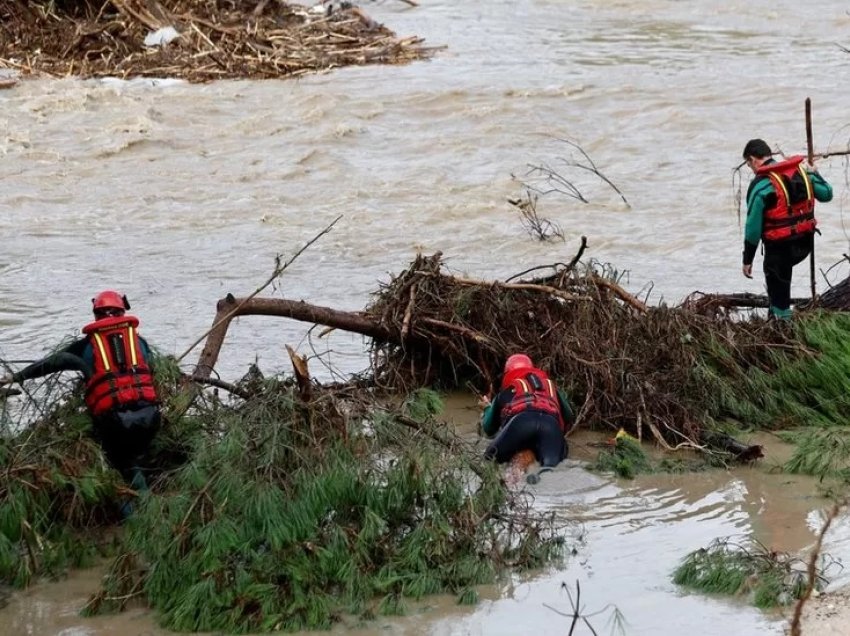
778,268
125,437
551,446
518,434
800,249
139,427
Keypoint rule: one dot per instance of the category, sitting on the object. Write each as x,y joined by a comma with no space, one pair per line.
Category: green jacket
761,196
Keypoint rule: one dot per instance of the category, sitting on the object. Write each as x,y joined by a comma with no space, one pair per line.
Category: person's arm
756,205
491,420
566,412
69,358
820,187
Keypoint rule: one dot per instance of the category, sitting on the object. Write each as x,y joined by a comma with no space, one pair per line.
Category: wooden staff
811,153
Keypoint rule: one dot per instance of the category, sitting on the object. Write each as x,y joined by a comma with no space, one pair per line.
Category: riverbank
827,614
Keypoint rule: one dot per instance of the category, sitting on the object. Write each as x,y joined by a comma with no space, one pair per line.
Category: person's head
517,362
756,152
109,303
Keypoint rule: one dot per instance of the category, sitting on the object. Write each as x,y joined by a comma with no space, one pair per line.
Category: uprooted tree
675,374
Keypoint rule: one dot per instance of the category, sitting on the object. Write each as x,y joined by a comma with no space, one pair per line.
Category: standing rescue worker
119,391
781,213
529,412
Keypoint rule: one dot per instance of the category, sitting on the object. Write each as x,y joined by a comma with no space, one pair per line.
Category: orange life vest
122,376
794,212
533,391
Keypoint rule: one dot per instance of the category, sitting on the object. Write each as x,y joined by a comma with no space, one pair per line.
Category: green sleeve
755,211
820,187
566,411
490,420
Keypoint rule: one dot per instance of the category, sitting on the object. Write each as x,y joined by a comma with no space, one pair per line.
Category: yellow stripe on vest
779,184
525,388
102,350
551,385
134,361
809,194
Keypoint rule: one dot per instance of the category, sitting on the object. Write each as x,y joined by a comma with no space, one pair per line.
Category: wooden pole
811,156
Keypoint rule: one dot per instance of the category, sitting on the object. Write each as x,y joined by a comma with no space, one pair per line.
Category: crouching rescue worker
528,413
119,391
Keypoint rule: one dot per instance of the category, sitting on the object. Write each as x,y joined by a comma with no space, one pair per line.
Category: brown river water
178,194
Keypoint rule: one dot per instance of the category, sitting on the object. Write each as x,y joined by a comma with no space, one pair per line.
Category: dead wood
231,307
836,297
302,374
221,384
710,304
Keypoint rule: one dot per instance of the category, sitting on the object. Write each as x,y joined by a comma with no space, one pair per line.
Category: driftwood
700,302
231,307
836,297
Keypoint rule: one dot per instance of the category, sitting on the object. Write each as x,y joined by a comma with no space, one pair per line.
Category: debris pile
197,40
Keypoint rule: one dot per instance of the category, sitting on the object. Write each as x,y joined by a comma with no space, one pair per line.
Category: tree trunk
230,307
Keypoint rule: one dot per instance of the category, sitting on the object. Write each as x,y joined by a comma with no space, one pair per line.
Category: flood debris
765,577
197,40
667,374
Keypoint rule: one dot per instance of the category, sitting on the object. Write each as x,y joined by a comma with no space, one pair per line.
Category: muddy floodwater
178,194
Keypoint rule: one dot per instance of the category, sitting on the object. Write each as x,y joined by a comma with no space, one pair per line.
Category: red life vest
794,212
121,375
533,391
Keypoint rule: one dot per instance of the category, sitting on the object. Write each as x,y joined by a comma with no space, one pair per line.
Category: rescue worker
781,213
119,391
529,412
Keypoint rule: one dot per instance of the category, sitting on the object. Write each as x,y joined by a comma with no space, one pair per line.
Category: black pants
535,431
779,261
126,435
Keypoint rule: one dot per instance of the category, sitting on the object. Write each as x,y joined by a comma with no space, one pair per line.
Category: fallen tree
674,374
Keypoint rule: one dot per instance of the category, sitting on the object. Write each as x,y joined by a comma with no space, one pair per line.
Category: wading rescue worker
781,213
529,412
119,391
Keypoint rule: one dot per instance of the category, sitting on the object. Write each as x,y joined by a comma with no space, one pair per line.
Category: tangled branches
658,371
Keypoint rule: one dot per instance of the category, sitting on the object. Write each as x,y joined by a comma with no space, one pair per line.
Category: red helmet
518,361
109,300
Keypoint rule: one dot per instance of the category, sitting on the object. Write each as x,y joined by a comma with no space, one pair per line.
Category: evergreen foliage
625,458
292,516
805,382
55,489
767,578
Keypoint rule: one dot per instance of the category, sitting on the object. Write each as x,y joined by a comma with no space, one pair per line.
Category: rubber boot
779,314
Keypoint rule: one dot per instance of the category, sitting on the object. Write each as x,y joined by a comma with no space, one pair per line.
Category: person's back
529,412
